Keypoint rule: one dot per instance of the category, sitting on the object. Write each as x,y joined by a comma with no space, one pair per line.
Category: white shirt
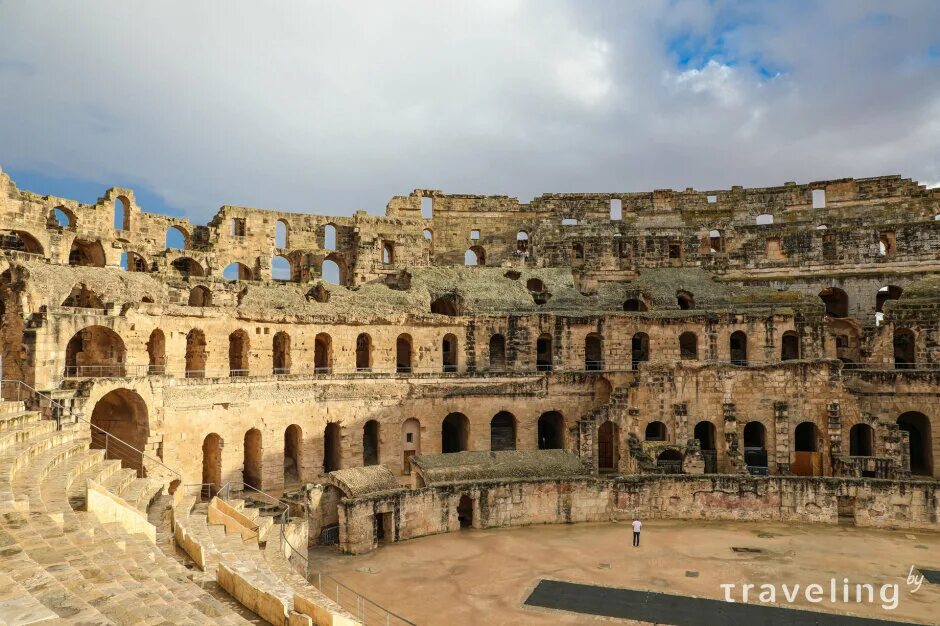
636,525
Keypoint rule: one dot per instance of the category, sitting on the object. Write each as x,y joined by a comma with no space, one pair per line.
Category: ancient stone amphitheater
186,408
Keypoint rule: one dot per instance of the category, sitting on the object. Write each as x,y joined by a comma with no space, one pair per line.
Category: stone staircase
59,563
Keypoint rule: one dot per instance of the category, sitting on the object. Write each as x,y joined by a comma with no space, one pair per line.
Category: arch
177,238
403,354
861,440
685,300
122,213
465,511
888,292
635,304
388,253
239,346
755,435
688,346
449,352
836,301
20,241
84,298
535,285
705,433
323,353
236,272
608,447
293,454
212,462
95,351
805,437
253,457
410,442
449,304
640,349
764,219
503,431
920,441
332,448
333,271
156,352
602,391
135,262
476,255
670,459
905,345
543,353
716,242
551,431
280,357
497,353
121,413
370,443
790,346
737,345
428,234
200,296
455,433
188,267
86,254
329,237
281,268
577,250
655,431
281,234
195,354
593,352
522,242
363,352
62,217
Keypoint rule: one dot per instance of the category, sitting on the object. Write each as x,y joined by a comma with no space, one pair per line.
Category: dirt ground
484,576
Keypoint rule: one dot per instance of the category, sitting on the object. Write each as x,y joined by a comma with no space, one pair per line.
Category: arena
219,423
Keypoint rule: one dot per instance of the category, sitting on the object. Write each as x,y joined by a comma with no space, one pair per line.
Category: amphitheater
200,421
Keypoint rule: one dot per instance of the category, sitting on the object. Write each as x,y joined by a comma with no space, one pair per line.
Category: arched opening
755,435
688,346
238,350
535,285
428,234
904,349
122,213
593,352
410,443
86,254
455,433
281,268
323,353
705,433
737,344
403,349
543,353
836,302
62,217
920,440
251,471
522,242
293,453
635,304
135,262
280,346
156,352
551,431
465,511
670,461
20,241
188,267
497,353
446,305
790,346
329,237
476,255
608,447
602,391
93,352
236,272
84,298
655,431
805,437
196,354
640,349
363,353
388,253
212,462
176,238
503,431
122,414
449,352
370,443
715,241
332,448
281,233
577,250
330,272
890,292
685,300
861,440
200,296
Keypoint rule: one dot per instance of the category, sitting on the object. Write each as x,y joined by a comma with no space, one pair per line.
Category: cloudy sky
336,106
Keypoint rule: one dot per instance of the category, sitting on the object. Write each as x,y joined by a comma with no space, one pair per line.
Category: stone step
18,431
141,492
8,407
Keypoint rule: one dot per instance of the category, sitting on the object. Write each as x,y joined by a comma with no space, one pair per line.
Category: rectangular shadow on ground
932,576
662,608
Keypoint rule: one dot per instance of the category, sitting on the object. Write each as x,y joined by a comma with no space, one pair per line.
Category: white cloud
715,79
585,76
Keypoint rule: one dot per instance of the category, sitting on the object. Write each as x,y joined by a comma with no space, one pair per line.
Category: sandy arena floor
483,576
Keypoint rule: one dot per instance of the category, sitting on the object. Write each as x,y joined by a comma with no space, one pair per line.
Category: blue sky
336,107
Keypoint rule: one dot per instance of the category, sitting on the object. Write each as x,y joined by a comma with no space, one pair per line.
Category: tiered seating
63,564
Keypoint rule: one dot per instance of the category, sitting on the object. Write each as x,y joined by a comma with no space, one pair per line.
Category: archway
543,353
87,253
551,431
83,298
737,345
212,462
688,346
236,272
196,354
705,433
120,426
281,268
176,238
455,433
640,349
921,452
449,352
476,255
156,352
95,351
411,442
685,300
465,511
200,296
670,461
21,241
905,356
293,454
593,352
280,346
806,459
323,353
635,304
655,431
497,353
805,437
135,263
188,267
446,305
238,351
890,292
370,443
332,448
861,440
329,237
790,346
503,431
836,301
755,435
281,234
403,354
251,471
363,353
608,447
333,270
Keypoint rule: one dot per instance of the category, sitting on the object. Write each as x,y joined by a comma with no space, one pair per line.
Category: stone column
735,458
782,437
